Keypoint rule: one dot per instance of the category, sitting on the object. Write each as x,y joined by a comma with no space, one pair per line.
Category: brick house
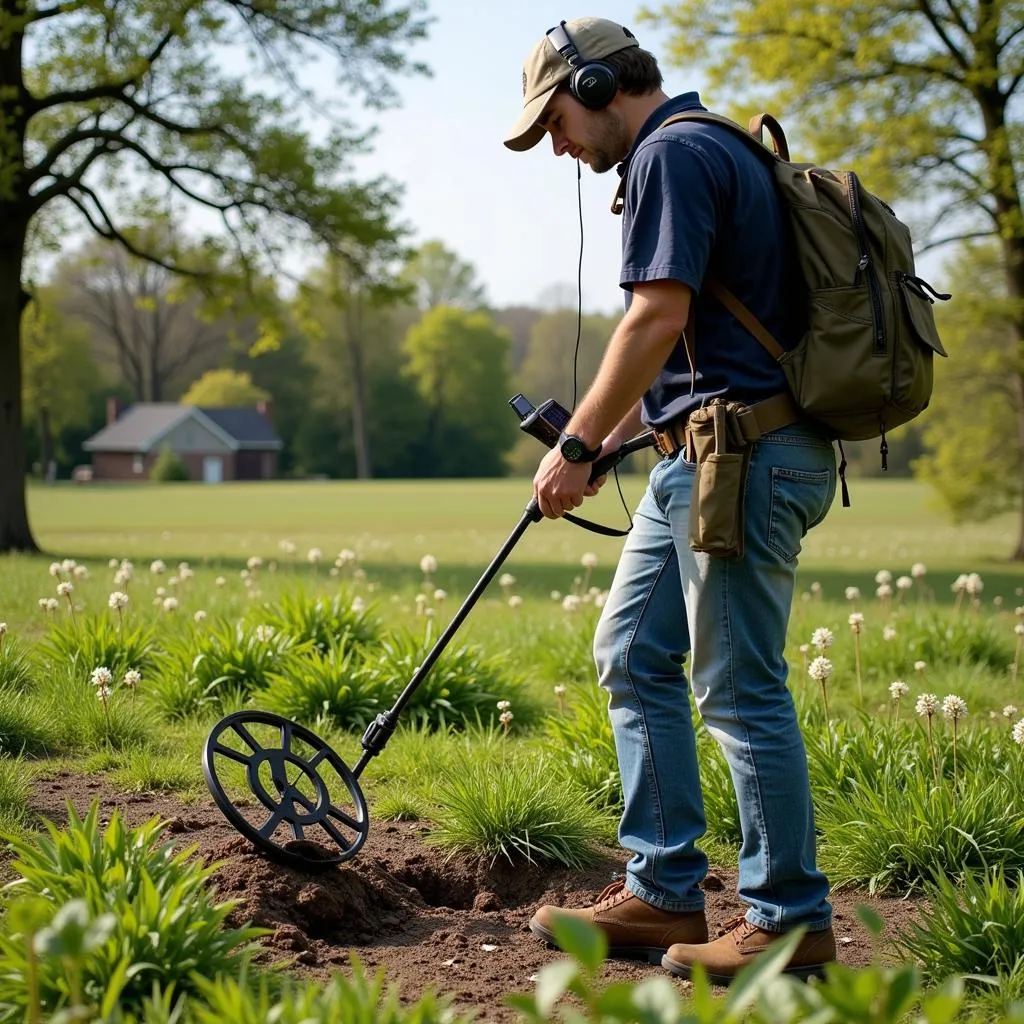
214,444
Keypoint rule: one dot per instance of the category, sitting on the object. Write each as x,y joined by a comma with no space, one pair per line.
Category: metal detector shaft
380,729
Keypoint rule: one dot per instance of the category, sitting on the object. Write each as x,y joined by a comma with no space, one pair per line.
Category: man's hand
561,486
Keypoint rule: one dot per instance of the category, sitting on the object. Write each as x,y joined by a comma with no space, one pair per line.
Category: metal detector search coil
286,774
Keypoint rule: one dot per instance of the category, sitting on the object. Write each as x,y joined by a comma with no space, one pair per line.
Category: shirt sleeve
675,196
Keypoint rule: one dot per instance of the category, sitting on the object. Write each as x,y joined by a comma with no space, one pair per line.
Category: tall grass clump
322,621
721,810
24,726
519,809
16,669
15,788
164,927
99,640
563,652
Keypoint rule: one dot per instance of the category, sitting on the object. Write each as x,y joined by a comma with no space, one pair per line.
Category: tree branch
968,236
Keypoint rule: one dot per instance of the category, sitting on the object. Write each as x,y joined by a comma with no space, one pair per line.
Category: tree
223,389
976,457
922,96
59,374
439,278
459,362
123,100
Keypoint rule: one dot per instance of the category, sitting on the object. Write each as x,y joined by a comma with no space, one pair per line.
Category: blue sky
514,216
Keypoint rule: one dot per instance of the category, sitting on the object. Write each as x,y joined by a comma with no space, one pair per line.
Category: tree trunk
360,438
45,442
1013,253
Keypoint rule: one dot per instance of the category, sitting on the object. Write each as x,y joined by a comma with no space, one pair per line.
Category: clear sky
514,216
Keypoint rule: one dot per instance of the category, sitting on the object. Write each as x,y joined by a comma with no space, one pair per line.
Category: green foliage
142,769
224,388
88,642
168,467
721,811
23,729
973,925
439,278
565,649
518,808
16,670
160,925
16,777
321,621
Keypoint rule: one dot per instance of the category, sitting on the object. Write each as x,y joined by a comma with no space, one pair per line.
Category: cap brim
526,133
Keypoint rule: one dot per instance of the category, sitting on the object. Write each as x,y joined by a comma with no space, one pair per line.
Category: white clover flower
920,666
889,633
55,569
898,689
44,603
505,717
440,595
918,570
127,568
157,568
822,638
927,704
560,690
959,584
852,594
68,566
515,601
588,560
1018,733
101,676
199,617
883,576
314,555
1019,629
64,589
219,581
820,669
428,565
904,583
804,648
103,693
954,707
570,603
264,633
421,600
883,592
1009,711
80,572
132,678
52,604
358,605
113,563
170,604
504,705
121,578
184,572
118,599
255,562
506,579
974,585
856,620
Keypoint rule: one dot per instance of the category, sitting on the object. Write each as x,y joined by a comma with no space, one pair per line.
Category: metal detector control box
545,422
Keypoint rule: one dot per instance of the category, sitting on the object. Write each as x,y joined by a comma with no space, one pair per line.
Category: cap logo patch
524,81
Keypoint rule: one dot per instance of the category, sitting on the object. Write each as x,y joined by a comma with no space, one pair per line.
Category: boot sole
686,971
644,954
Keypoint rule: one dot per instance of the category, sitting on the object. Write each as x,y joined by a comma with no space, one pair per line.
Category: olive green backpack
864,365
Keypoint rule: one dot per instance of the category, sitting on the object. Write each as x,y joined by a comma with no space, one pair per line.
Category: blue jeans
731,616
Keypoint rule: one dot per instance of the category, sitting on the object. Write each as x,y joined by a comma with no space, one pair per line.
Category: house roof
143,424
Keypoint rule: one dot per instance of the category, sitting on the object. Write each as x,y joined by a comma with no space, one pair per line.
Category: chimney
265,407
113,409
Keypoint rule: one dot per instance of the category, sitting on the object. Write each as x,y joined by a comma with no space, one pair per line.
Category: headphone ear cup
594,84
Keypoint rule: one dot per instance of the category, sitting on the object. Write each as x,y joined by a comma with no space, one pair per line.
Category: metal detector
296,776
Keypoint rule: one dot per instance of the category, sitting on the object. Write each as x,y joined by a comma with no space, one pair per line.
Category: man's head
574,84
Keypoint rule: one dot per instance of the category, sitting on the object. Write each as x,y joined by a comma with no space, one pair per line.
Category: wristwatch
574,449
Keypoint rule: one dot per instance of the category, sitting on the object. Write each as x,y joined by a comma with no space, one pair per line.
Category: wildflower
959,585
974,585
80,572
219,581
345,557
820,669
927,704
589,560
559,690
358,605
504,705
3,628
64,589
121,578
1009,711
55,570
103,693
127,568
570,603
440,595
920,666
556,595
132,678
898,689
904,583
199,617
161,592
264,634
822,638
52,604
600,599
428,565
287,547
884,592
113,563
804,648
102,676
918,570
954,707
314,555
883,577
1019,629
856,620
505,717
117,600
170,604
816,589
157,568
244,574
506,579
1019,612
889,633
44,603
852,594
1018,733
515,601
255,562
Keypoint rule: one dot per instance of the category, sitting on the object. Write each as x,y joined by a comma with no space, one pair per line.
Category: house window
137,465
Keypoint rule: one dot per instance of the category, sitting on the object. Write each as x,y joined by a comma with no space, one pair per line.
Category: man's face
597,137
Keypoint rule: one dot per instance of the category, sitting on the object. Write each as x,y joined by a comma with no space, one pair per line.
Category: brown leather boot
635,930
742,941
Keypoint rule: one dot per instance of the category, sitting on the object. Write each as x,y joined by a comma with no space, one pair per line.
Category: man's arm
638,349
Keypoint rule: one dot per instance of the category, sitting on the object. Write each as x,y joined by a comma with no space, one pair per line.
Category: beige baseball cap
546,69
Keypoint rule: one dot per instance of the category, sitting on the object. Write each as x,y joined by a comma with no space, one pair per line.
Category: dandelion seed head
506,580
3,629
254,563
52,604
898,689
428,565
170,604
358,605
974,585
1010,711
852,594
589,560
920,666
346,557
820,669
560,690
440,595
287,547
556,595
504,705
200,617
889,633
570,603
815,588
822,638
219,581
113,563
904,583
883,592
103,693
121,578
64,589
804,648
856,620
883,576
505,717
158,567
954,707
927,704
55,569
515,601
1019,629
44,603
918,570
118,599
314,555
80,572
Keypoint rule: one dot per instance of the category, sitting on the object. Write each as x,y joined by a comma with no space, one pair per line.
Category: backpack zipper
864,265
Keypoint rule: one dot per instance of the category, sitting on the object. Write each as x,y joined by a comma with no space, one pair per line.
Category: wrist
576,449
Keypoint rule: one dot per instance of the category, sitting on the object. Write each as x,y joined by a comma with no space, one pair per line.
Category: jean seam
649,772
652,898
820,924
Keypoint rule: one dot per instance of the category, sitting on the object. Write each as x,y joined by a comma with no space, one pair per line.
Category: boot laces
612,893
741,923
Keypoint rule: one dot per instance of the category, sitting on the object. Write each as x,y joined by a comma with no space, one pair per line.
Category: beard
608,143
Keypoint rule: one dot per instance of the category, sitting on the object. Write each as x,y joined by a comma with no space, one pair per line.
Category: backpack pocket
918,309
912,376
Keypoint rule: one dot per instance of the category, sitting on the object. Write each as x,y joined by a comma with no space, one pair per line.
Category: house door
213,469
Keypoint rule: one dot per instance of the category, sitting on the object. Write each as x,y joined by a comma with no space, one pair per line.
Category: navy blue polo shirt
698,201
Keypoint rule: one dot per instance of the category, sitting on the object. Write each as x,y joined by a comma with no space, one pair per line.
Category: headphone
592,82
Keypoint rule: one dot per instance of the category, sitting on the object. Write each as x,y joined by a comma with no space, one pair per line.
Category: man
697,204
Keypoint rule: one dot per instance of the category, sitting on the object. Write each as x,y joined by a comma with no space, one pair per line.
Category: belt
755,420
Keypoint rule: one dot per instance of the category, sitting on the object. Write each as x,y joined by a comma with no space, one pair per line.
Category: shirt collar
675,105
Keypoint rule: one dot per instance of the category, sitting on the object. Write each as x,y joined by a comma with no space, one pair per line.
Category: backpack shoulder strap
751,135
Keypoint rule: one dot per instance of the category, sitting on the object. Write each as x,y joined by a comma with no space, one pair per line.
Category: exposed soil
452,923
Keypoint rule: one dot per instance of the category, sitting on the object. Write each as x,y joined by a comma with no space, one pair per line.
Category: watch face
572,449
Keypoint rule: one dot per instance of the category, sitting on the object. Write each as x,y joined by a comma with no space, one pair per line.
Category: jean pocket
800,500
